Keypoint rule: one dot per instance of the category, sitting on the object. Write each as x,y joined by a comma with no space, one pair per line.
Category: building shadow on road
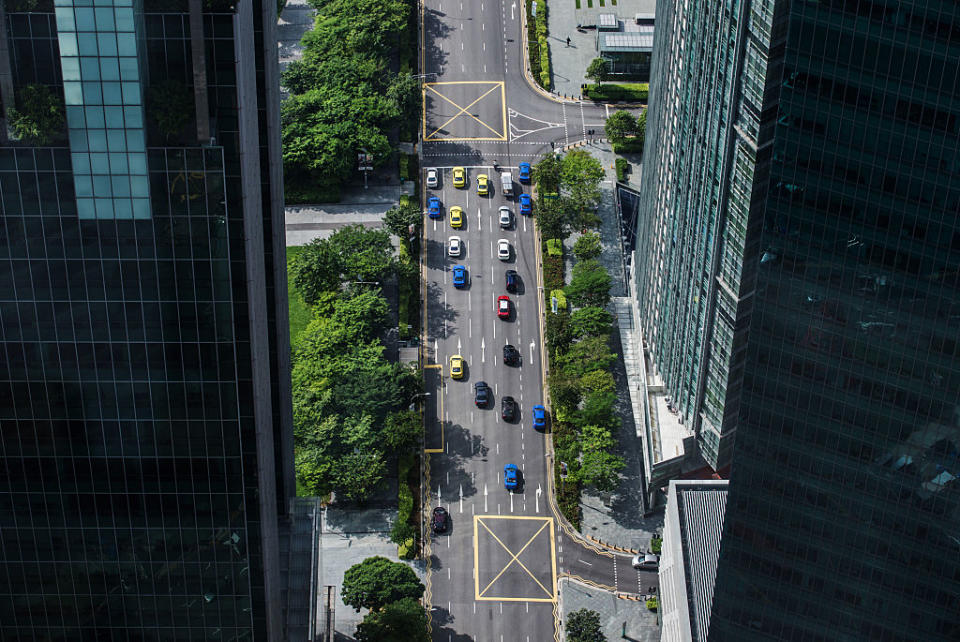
440,621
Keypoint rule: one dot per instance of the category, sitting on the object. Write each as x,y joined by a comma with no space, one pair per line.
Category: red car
503,307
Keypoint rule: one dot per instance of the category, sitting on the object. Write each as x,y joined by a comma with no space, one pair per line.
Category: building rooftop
607,21
640,40
700,509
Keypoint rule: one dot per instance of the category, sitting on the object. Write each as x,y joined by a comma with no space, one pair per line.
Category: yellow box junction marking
481,594
497,135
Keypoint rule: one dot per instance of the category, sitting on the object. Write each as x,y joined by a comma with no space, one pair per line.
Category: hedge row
622,166
629,146
567,450
633,92
552,271
537,45
407,550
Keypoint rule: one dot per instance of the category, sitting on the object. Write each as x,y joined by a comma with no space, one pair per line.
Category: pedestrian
568,41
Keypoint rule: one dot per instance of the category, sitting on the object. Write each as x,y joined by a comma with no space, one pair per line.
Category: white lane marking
484,69
498,508
511,502
483,347
532,346
461,46
484,46
448,541
461,500
498,447
448,577
491,249
470,326
479,226
484,498
539,491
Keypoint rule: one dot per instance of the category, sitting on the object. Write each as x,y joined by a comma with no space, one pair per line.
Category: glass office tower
802,214
145,421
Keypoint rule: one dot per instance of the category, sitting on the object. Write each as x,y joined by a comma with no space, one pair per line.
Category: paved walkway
617,616
568,64
617,518
295,20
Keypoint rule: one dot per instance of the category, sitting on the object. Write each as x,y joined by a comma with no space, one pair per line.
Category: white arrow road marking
539,490
483,357
532,346
436,349
439,494
513,8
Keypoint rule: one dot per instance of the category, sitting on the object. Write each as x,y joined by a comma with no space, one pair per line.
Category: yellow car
456,217
456,366
459,177
482,185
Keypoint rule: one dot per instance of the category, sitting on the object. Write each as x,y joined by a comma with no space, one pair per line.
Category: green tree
402,430
558,333
597,70
592,353
619,126
399,218
589,285
345,26
597,409
564,391
546,175
642,126
587,247
360,473
597,382
38,117
404,94
580,176
352,253
401,532
555,217
600,469
376,582
170,104
401,621
591,321
364,314
584,626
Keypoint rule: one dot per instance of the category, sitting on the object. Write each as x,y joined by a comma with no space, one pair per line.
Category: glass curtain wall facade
145,433
839,242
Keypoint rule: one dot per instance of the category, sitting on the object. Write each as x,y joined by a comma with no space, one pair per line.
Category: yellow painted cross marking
481,520
435,89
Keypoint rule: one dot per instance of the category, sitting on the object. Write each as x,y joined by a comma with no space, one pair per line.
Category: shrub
656,544
630,146
552,272
557,332
39,115
633,92
561,299
555,247
588,246
407,550
622,166
404,167
404,533
653,603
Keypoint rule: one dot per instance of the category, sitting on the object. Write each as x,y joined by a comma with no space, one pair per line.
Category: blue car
511,477
459,276
433,207
526,204
524,174
539,416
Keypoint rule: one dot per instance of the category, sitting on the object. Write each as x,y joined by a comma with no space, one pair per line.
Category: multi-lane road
493,575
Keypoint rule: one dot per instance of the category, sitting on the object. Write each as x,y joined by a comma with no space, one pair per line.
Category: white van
506,183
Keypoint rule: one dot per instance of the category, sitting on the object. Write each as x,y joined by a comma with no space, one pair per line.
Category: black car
481,394
511,356
440,520
513,281
508,409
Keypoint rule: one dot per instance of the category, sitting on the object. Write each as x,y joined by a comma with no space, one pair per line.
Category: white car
506,218
503,249
646,561
455,248
433,177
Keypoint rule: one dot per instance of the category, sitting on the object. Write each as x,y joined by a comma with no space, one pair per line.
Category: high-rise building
798,280
145,421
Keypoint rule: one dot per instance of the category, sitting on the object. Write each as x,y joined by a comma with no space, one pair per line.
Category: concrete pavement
617,616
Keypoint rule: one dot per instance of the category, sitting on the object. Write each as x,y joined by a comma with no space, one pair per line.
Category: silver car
503,249
433,177
455,248
506,218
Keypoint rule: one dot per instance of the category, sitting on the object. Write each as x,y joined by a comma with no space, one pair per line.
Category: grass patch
629,146
407,489
555,247
631,91
300,314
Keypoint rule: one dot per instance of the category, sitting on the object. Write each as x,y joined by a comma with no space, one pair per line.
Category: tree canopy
597,70
587,246
589,285
584,626
402,621
620,125
376,582
352,253
39,115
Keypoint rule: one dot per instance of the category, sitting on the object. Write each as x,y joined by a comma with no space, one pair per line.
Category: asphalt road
493,575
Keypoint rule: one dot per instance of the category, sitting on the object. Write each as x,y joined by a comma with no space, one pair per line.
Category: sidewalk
568,64
617,518
617,616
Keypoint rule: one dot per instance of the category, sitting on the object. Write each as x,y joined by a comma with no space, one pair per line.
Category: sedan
524,174
433,207
648,561
512,281
511,477
483,185
511,356
456,217
456,246
481,394
539,416
526,204
503,250
459,177
506,218
456,366
459,276
433,177
503,306
508,409
440,519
